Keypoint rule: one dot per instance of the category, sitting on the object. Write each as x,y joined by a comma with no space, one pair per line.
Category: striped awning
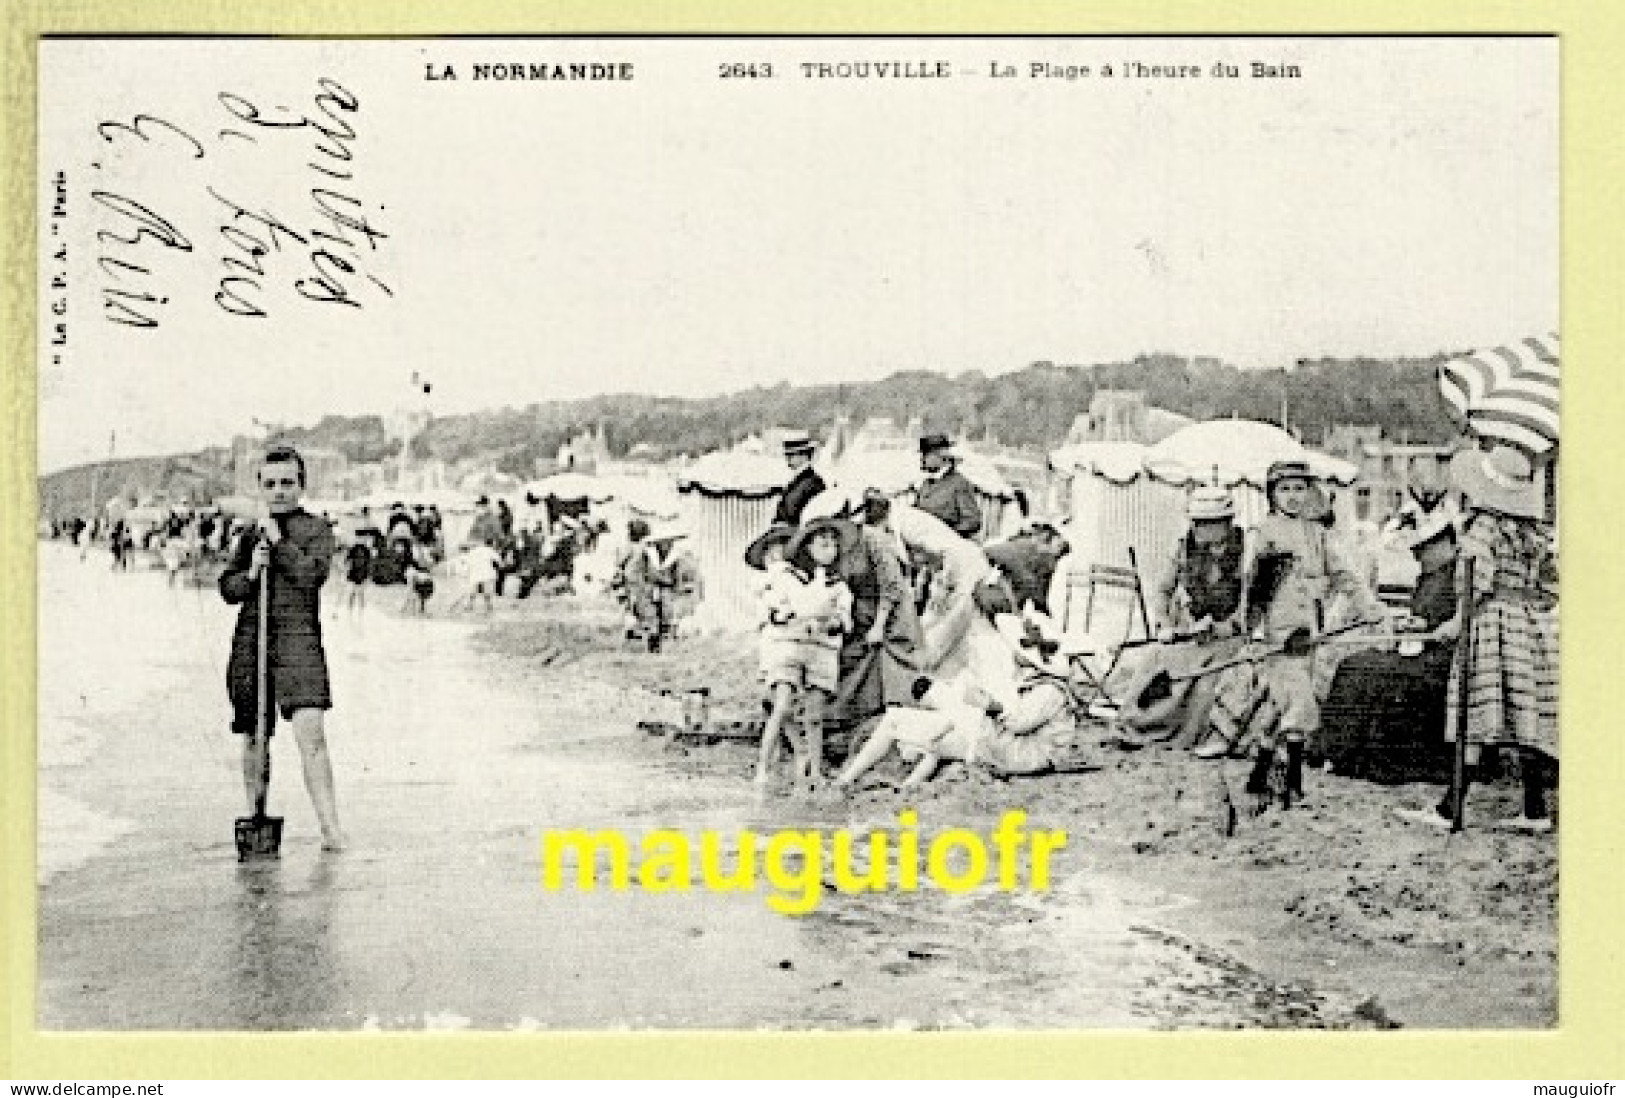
1508,394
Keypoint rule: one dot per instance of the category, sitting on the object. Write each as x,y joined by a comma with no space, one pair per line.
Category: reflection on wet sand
282,958
450,767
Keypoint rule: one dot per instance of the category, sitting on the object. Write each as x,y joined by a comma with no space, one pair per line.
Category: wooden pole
1464,651
262,685
1139,591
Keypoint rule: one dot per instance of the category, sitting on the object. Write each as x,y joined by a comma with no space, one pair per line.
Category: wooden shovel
259,835
1299,642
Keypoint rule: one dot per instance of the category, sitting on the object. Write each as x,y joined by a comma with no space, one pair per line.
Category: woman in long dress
880,656
1509,657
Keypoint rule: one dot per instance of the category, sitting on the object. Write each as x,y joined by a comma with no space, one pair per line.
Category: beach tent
617,499
1114,506
1126,495
570,486
726,499
652,496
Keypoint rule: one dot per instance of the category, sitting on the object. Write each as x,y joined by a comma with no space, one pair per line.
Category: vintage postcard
798,533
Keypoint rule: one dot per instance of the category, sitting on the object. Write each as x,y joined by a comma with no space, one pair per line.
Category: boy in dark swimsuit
294,549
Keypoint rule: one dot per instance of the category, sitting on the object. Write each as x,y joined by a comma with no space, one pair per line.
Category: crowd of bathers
895,624
889,625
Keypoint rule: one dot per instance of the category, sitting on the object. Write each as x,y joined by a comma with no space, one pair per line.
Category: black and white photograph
781,533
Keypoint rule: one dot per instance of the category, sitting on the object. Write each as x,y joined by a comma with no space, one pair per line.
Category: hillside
1031,408
202,476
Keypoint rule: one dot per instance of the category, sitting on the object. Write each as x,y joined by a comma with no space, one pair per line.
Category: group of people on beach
180,537
882,624
506,549
887,627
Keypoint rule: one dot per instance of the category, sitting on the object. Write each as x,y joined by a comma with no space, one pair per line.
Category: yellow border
1587,1045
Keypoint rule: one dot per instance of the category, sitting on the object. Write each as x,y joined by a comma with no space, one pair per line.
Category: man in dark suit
805,483
945,493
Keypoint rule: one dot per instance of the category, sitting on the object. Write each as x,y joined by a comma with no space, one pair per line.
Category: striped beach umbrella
1507,394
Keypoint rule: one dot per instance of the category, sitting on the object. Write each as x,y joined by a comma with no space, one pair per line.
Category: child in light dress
803,617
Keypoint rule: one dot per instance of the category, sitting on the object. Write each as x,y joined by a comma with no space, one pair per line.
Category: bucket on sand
258,837
697,711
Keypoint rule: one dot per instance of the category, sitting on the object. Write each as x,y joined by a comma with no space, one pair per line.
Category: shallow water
450,768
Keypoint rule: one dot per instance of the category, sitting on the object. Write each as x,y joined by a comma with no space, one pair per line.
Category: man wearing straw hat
290,550
805,483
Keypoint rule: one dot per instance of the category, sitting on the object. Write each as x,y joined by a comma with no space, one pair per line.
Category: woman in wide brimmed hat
779,534
1510,657
803,617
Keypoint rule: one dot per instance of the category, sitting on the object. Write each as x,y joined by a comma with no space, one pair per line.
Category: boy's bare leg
256,771
812,721
307,729
783,698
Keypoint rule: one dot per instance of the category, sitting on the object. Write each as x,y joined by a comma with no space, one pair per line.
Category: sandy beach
457,743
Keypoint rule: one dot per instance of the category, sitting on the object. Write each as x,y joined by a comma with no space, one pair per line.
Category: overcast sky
683,233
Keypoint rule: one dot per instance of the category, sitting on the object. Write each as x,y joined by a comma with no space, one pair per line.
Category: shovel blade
258,837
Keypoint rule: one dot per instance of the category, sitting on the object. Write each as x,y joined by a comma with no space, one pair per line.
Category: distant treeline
1031,408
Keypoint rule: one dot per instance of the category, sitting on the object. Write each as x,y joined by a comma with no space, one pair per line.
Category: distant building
1388,469
583,453
326,471
1122,415
882,433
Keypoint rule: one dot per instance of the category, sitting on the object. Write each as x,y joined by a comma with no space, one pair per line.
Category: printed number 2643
760,71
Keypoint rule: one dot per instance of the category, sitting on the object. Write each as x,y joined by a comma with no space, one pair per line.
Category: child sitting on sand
1012,713
803,619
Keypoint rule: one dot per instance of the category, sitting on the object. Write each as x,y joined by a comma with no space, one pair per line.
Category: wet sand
1337,898
457,743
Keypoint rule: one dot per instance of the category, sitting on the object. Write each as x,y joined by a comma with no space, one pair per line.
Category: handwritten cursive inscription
324,252
123,248
334,268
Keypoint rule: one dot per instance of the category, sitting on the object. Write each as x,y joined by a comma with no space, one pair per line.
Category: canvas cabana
1127,496
1114,506
726,499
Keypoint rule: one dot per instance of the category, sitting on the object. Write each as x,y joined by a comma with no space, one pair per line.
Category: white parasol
1236,451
